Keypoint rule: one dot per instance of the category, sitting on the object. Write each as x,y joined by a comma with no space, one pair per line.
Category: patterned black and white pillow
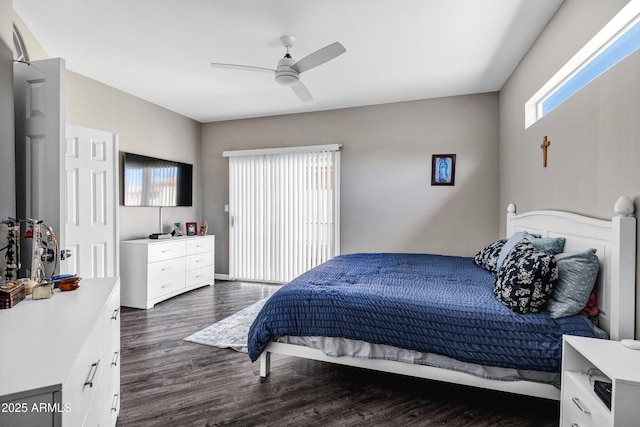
487,258
526,279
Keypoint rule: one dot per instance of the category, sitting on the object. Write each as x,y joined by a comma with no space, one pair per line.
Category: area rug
230,332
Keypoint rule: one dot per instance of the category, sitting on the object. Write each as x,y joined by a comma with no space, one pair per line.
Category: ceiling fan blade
303,93
242,67
319,57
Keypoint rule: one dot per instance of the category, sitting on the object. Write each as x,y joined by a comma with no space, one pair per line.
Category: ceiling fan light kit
285,75
287,72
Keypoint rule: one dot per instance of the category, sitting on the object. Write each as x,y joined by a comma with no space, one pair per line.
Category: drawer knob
580,405
114,316
114,361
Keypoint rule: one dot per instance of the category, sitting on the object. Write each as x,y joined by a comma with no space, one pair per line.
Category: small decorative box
42,291
11,293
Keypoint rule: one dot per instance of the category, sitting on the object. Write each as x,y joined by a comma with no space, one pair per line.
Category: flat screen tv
149,181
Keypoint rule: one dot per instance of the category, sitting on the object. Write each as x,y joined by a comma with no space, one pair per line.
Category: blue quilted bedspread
429,303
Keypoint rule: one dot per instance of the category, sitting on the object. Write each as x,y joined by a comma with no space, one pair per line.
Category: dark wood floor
166,381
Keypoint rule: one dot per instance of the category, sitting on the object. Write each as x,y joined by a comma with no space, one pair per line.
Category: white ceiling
397,50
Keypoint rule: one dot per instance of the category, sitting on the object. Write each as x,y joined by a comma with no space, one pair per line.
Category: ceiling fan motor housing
285,75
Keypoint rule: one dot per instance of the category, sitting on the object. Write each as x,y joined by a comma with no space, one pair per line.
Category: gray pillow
577,274
548,245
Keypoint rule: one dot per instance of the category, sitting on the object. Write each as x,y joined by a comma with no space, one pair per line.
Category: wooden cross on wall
545,144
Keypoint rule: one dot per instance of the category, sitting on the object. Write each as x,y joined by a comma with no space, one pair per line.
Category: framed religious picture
443,169
192,228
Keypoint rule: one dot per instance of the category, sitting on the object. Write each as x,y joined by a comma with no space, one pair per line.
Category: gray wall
7,145
142,128
387,201
594,155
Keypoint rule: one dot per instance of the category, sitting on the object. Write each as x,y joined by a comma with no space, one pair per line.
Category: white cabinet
587,359
155,270
64,366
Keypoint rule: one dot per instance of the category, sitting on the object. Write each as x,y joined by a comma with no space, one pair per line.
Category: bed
450,327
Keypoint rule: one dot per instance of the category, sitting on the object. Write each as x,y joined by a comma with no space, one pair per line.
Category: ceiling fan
288,70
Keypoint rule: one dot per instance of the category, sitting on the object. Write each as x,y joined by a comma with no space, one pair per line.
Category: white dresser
584,358
155,270
60,358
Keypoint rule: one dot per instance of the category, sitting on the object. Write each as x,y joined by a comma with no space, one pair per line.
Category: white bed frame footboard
615,241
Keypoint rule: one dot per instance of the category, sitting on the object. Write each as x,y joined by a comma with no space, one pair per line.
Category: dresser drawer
164,251
580,406
166,285
85,378
198,245
111,320
112,391
201,275
199,261
162,269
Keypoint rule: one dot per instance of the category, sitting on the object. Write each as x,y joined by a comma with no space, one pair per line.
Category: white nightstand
580,406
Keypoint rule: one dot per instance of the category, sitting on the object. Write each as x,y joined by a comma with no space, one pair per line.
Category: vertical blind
283,211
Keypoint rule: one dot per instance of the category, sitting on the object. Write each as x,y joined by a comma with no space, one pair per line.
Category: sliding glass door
284,211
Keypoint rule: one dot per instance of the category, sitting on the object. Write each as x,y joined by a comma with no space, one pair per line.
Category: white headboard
615,242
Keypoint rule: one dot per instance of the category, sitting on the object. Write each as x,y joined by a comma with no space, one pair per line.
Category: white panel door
91,202
39,106
69,183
